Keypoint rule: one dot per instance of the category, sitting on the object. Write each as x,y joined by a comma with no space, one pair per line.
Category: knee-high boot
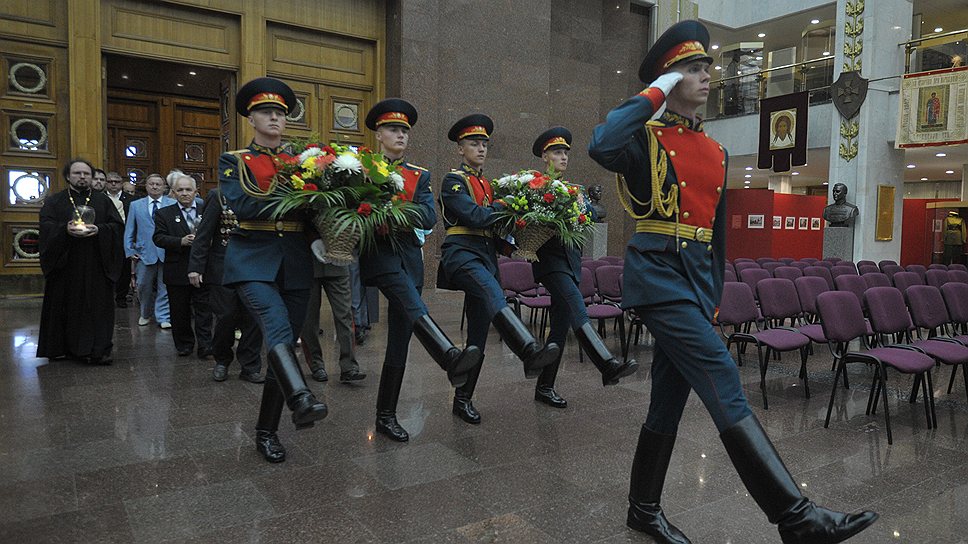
798,519
604,361
544,390
517,337
463,407
649,469
457,362
386,404
266,440
305,408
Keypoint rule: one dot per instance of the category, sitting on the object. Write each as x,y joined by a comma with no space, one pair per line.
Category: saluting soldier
268,261
558,268
398,273
674,181
469,260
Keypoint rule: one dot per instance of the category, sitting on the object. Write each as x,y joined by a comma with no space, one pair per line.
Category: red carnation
582,218
329,150
310,187
312,146
365,209
572,191
549,198
520,223
292,160
537,183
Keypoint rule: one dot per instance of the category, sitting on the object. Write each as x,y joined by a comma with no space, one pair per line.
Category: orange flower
520,223
365,209
538,182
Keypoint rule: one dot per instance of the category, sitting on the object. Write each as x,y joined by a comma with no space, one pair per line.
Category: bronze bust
841,213
595,195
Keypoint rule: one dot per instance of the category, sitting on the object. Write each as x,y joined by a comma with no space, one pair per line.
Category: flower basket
530,239
339,245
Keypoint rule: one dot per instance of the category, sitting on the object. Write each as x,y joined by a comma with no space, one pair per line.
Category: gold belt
467,231
689,232
272,226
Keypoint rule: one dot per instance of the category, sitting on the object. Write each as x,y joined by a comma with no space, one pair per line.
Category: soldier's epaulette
238,152
415,167
655,123
460,173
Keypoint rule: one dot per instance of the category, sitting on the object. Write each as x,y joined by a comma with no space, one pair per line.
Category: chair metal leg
463,312
872,400
764,361
833,391
887,409
621,338
914,389
951,382
803,371
927,402
930,386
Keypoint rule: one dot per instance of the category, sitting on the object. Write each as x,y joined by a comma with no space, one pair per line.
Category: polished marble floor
151,449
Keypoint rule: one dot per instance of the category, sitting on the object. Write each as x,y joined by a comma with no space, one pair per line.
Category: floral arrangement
539,202
355,195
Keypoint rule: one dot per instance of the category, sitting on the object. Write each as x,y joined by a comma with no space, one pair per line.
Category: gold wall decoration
884,229
853,47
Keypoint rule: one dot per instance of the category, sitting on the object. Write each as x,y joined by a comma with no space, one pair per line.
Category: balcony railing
741,94
937,51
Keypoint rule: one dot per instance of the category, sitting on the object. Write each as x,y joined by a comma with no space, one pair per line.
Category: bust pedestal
838,242
597,244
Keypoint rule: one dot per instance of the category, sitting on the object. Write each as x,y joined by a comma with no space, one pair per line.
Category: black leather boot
517,337
612,370
645,488
455,361
386,404
798,519
544,390
463,407
266,441
305,408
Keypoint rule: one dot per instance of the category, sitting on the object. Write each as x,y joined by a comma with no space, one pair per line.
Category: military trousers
404,306
231,314
567,306
279,312
340,297
690,355
483,299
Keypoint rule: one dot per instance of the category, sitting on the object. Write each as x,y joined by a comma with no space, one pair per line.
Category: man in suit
174,232
148,258
205,267
268,260
468,260
122,201
335,280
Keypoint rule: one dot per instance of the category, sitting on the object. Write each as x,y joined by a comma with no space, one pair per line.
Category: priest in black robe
80,264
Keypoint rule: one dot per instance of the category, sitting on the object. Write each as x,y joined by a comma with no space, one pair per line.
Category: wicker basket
530,239
339,248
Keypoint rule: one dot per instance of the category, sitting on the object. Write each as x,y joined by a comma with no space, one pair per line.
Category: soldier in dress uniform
398,273
558,268
674,181
268,261
469,260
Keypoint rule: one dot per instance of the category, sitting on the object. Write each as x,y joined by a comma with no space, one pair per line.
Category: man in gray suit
336,281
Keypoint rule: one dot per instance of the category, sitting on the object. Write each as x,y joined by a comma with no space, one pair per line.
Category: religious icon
783,129
933,108
790,224
803,223
814,223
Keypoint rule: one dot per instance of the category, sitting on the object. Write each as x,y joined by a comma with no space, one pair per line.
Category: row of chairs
836,318
901,280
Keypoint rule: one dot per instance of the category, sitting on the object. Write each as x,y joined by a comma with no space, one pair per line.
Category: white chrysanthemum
505,181
346,162
559,185
310,152
526,178
397,180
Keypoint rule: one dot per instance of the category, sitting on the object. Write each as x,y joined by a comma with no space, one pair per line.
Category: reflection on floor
151,449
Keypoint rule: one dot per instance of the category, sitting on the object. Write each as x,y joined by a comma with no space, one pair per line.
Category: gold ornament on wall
853,47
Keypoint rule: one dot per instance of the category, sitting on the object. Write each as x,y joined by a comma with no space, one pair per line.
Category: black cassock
77,319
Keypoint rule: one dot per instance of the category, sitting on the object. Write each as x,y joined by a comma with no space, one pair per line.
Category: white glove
666,82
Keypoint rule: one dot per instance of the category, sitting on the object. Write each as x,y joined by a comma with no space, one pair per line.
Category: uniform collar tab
267,150
673,118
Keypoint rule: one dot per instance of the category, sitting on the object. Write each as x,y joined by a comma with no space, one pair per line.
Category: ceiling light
825,53
924,179
714,46
826,183
940,154
939,29
814,21
618,71
912,166
192,73
896,27
761,35
180,84
949,171
759,58
719,68
748,176
747,182
747,187
749,167
796,174
124,76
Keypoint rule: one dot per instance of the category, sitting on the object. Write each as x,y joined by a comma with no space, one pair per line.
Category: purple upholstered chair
903,280
772,266
955,296
786,260
602,311
884,263
738,309
959,276
936,277
743,260
865,263
809,260
843,321
957,266
937,266
918,269
891,269
867,269
841,270
609,285
592,265
611,258
787,272
808,288
518,278
752,276
928,312
826,264
800,264
820,272
740,266
729,266
833,260
876,279
729,275
852,284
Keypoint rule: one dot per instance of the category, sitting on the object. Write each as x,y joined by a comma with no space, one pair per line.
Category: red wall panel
915,241
742,241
